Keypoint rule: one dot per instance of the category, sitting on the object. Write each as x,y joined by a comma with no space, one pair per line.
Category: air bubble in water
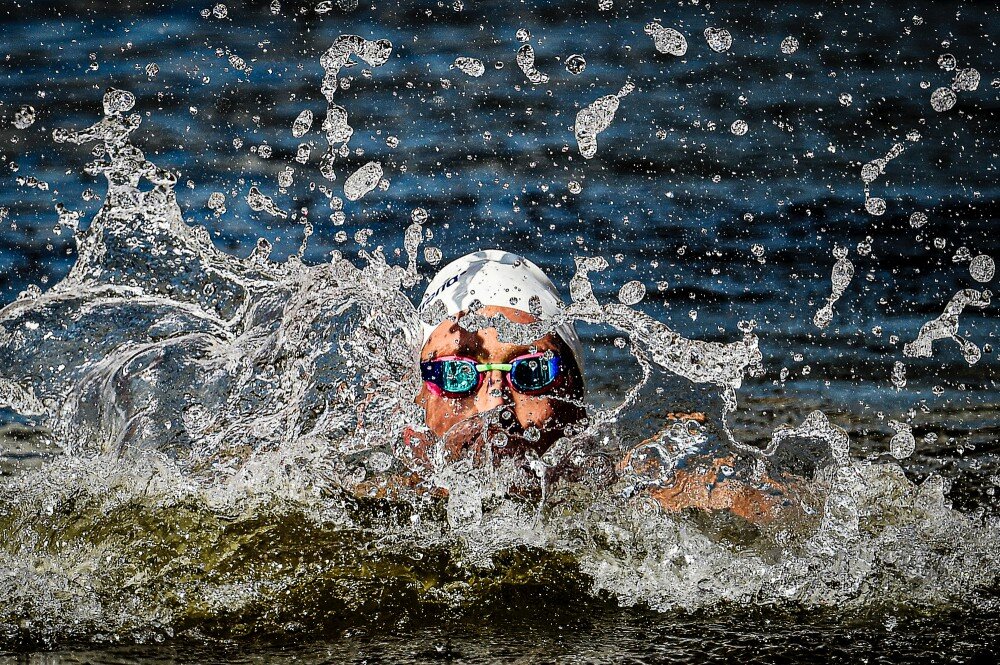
918,219
302,124
846,99
275,7
667,40
220,11
392,141
947,62
789,45
362,181
522,35
575,64
470,66
982,268
286,177
739,127
574,187
152,69
264,151
719,39
24,117
605,5
632,292
943,99
418,216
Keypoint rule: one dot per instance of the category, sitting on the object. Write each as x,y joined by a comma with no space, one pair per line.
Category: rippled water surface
213,220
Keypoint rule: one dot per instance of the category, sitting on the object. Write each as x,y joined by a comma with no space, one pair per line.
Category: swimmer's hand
676,482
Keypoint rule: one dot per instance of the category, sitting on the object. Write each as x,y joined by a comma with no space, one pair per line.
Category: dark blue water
672,196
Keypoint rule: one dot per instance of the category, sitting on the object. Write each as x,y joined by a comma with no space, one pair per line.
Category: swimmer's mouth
490,434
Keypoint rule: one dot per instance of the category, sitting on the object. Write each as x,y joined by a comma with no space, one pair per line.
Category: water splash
597,117
335,125
840,278
946,327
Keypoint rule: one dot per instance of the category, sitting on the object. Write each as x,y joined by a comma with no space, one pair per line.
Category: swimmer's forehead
451,339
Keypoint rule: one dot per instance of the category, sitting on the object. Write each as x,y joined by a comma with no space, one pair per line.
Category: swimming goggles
455,376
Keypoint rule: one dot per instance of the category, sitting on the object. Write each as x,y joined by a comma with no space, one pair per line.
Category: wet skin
548,411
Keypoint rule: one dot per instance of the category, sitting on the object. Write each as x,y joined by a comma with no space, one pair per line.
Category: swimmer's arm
710,485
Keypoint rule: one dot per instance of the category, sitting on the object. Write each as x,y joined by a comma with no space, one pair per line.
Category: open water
206,341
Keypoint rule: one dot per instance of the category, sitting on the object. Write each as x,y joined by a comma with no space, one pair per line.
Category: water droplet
739,127
470,66
522,35
302,124
418,216
261,202
632,293
667,40
575,64
432,255
574,187
526,61
982,268
362,181
875,205
719,39
846,99
947,62
595,118
220,11
918,219
943,99
966,80
117,101
605,5
899,375
217,203
789,45
24,117
302,153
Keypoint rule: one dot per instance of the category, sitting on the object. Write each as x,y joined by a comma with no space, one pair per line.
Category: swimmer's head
534,385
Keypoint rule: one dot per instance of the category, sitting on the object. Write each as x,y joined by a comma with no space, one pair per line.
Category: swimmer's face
550,411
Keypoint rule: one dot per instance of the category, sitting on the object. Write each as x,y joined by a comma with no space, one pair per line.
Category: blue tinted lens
534,373
458,376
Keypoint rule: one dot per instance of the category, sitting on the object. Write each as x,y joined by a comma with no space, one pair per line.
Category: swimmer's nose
492,393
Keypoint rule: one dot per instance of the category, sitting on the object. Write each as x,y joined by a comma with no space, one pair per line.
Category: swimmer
480,388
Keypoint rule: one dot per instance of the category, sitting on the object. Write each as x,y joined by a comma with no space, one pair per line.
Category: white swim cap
495,277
